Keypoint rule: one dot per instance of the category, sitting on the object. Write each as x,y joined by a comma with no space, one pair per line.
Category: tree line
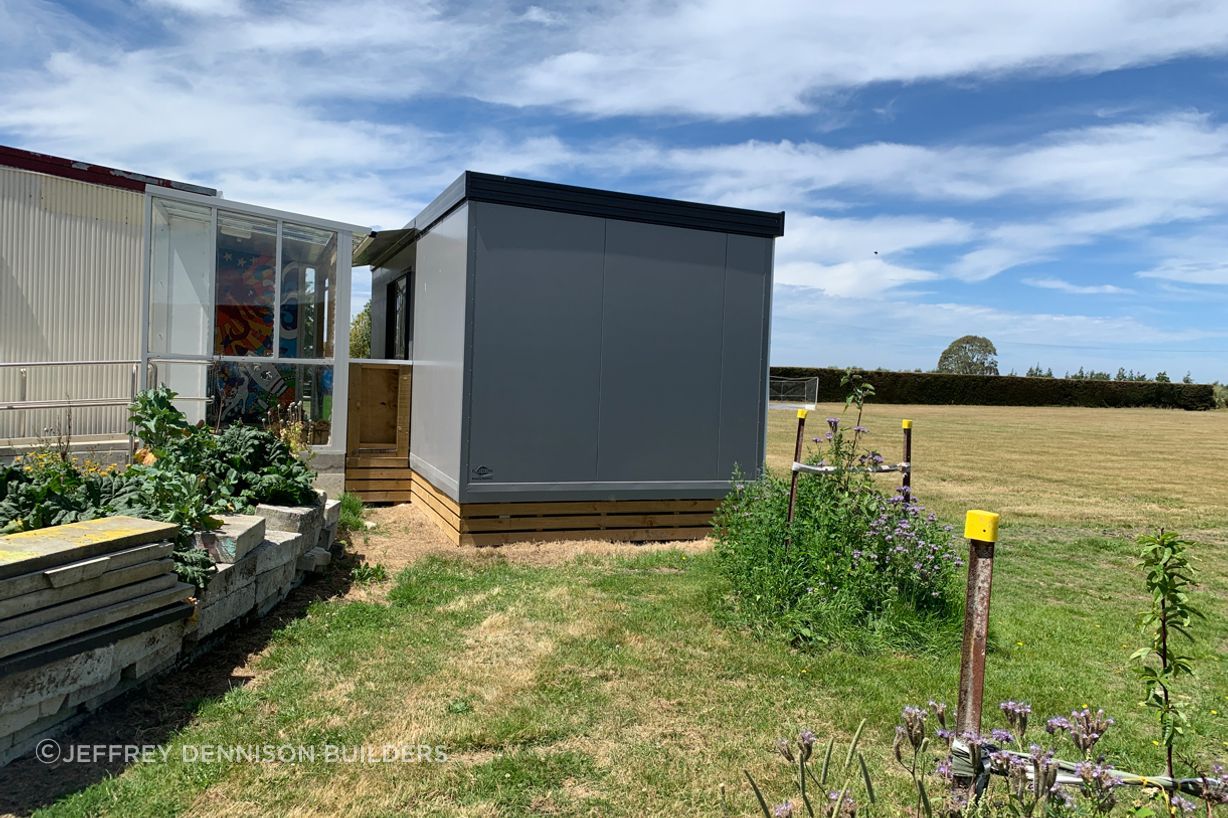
976,355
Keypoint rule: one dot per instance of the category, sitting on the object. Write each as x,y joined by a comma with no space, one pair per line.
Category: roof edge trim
509,190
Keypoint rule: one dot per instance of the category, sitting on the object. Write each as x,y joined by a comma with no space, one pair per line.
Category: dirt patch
405,534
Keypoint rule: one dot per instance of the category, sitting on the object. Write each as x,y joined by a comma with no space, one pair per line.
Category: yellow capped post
906,465
797,456
981,526
981,529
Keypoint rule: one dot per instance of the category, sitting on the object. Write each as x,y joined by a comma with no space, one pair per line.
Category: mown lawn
609,685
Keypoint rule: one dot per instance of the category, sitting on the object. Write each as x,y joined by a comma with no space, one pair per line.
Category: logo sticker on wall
482,473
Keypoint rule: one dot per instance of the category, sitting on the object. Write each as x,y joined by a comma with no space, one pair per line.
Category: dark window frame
400,302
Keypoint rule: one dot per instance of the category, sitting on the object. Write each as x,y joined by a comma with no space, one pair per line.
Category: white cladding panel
70,289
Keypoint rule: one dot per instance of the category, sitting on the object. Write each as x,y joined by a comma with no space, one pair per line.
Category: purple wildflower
914,725
1000,762
1057,724
1186,806
1016,715
1086,728
805,742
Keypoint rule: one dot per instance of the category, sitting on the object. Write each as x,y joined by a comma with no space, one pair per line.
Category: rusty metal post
907,481
797,457
981,529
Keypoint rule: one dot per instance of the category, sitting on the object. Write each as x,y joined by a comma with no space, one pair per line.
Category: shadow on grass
152,713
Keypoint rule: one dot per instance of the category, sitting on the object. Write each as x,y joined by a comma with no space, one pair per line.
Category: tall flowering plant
866,567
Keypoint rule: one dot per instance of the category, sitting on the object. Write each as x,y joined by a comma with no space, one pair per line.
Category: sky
1051,175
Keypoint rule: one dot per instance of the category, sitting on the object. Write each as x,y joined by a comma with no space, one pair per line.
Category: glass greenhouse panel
180,278
262,393
246,286
308,291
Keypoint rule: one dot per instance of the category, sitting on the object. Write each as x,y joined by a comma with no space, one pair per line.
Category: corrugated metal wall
70,289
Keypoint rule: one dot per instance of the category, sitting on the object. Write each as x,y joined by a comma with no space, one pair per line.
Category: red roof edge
94,174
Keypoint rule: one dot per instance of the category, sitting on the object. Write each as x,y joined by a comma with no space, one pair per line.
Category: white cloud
1212,271
541,16
1062,285
852,257
206,8
863,278
724,59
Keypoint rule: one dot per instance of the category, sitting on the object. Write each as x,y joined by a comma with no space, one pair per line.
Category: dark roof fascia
94,174
508,190
380,245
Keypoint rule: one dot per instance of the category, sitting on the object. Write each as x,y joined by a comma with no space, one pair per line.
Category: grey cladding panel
535,347
743,385
660,362
439,351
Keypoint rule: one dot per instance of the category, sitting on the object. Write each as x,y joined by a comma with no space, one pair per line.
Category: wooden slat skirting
380,484
483,524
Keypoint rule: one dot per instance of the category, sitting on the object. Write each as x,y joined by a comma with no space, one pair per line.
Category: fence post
906,425
981,530
22,393
797,457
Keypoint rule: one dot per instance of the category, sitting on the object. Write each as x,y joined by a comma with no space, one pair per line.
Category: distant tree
1187,378
969,355
360,333
1037,372
1162,377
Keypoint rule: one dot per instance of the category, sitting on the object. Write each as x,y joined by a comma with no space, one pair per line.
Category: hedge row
1008,390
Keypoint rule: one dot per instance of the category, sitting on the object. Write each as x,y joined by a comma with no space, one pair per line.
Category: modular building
582,360
546,361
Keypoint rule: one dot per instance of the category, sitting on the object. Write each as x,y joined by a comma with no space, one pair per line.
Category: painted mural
245,393
246,307
246,289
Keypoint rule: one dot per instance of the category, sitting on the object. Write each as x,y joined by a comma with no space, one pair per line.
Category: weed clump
859,567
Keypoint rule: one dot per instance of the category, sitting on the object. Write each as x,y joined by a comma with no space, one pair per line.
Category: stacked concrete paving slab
261,558
84,608
90,610
75,578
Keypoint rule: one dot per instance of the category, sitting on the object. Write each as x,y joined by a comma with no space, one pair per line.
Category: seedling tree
1169,578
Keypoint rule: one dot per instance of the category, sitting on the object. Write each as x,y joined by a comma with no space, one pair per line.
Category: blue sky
1051,175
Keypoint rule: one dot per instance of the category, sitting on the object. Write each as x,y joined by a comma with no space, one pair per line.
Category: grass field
603,683
1109,469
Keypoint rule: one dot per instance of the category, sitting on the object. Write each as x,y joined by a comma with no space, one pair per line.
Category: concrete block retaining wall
46,691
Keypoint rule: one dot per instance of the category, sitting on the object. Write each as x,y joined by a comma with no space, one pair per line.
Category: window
398,324
308,291
246,289
243,312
